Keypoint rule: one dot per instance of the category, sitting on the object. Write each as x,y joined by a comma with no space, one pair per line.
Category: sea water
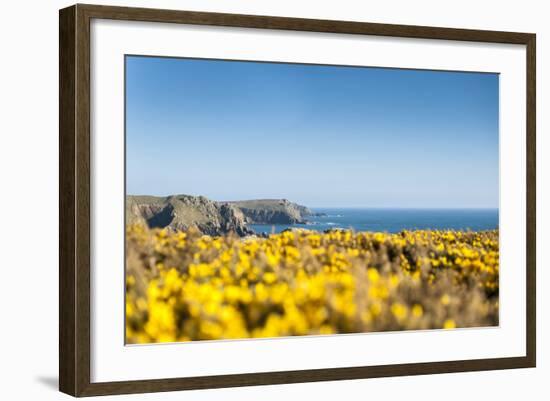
392,220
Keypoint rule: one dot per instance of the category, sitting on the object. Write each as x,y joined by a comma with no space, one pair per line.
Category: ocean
393,220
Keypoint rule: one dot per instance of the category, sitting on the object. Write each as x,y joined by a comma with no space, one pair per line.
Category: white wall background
29,185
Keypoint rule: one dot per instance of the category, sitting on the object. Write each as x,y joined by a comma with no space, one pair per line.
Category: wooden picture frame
75,207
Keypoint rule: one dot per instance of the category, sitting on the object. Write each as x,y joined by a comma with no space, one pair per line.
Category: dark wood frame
74,199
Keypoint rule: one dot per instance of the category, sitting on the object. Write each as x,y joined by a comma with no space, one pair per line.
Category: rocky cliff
272,211
180,212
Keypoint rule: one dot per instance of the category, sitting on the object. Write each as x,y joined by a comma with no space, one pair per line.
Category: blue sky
325,136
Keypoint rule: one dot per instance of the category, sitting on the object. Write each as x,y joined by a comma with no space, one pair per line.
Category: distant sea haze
393,220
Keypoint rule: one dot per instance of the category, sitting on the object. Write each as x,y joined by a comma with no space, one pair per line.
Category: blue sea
393,220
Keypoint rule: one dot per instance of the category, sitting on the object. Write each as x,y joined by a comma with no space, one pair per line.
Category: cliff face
272,211
180,212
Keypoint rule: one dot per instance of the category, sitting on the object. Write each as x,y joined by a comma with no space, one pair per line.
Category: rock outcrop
272,211
181,212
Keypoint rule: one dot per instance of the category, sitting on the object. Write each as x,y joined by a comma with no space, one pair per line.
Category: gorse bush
183,286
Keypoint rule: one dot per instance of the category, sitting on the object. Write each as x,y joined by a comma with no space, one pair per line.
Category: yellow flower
184,286
399,310
270,277
373,275
449,324
417,310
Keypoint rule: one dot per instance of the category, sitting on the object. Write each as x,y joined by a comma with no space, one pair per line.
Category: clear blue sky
319,135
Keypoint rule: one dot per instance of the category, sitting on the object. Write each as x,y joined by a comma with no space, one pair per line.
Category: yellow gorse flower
183,286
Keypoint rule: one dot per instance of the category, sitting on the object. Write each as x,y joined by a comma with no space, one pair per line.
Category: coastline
392,220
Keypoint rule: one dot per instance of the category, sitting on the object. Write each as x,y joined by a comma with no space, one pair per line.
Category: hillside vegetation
183,286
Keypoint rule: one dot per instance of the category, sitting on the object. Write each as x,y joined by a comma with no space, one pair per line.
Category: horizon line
338,206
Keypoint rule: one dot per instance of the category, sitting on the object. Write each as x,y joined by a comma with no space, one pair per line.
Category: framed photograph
250,200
